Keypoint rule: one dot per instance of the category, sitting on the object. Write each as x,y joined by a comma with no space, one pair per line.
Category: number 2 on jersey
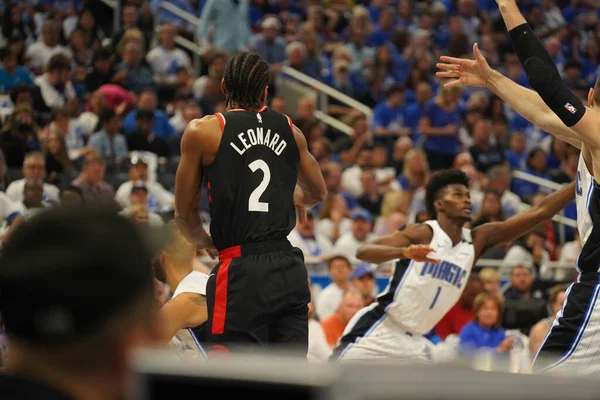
437,294
254,203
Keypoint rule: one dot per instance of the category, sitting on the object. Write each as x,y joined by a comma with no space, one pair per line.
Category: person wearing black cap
139,197
144,138
73,310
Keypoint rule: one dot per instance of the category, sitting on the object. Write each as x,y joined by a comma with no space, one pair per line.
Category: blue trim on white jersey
385,312
197,342
580,332
562,310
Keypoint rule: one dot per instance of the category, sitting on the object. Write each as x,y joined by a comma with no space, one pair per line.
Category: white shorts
386,340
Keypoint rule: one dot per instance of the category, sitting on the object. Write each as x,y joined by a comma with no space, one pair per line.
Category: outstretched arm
405,243
545,78
525,102
495,233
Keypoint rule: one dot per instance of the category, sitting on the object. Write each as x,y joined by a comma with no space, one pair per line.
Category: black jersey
252,178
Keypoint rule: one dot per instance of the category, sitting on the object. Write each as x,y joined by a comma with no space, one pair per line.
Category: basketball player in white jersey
436,258
570,345
185,313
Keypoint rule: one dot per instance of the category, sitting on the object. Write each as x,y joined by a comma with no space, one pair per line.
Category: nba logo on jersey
259,118
570,108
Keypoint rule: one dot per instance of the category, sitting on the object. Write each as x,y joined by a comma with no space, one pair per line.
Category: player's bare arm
310,189
411,242
495,233
545,79
187,310
188,182
525,102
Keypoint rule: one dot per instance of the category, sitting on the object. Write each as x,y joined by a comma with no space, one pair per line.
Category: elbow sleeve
544,77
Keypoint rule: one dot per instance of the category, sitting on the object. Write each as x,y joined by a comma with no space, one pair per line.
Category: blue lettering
449,277
578,189
445,271
460,281
442,270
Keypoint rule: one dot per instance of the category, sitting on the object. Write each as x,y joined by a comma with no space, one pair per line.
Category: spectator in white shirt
41,51
159,198
351,176
568,255
360,233
165,59
34,169
318,349
55,85
139,197
32,203
499,182
313,245
330,298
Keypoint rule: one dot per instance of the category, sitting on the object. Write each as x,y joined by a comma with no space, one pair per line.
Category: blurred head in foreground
76,291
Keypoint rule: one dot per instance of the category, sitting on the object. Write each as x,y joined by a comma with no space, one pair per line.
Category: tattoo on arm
199,300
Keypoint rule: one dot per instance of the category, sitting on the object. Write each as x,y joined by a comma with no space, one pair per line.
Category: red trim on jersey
229,253
290,122
263,108
220,306
221,120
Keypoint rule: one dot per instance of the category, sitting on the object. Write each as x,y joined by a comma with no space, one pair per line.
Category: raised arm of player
310,189
410,242
188,181
545,79
525,102
187,310
495,233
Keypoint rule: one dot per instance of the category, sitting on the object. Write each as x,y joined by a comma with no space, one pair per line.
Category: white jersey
185,340
584,191
418,296
426,291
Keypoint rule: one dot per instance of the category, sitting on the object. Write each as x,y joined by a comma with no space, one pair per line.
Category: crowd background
94,113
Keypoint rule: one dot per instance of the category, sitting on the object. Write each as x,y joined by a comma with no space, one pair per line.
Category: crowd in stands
92,112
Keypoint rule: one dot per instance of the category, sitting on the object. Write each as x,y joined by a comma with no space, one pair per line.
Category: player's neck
234,106
452,227
175,275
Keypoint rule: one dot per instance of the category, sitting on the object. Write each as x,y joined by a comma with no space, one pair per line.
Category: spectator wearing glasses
34,169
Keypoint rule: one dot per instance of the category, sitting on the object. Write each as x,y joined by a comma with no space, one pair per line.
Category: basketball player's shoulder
202,130
418,233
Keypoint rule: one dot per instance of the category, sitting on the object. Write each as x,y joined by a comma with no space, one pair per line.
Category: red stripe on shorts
220,308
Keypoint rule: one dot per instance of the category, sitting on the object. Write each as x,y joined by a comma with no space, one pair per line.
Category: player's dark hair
438,182
245,78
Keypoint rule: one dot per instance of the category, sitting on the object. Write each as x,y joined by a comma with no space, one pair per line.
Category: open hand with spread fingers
463,71
419,252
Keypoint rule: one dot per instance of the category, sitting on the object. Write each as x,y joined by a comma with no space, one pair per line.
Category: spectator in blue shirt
535,165
161,126
269,45
108,142
11,74
440,124
388,117
414,111
485,332
131,73
383,33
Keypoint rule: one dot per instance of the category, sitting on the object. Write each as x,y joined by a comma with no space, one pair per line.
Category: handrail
323,88
524,176
557,218
335,123
178,12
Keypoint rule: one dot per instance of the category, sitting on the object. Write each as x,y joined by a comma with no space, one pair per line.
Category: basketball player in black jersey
259,173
